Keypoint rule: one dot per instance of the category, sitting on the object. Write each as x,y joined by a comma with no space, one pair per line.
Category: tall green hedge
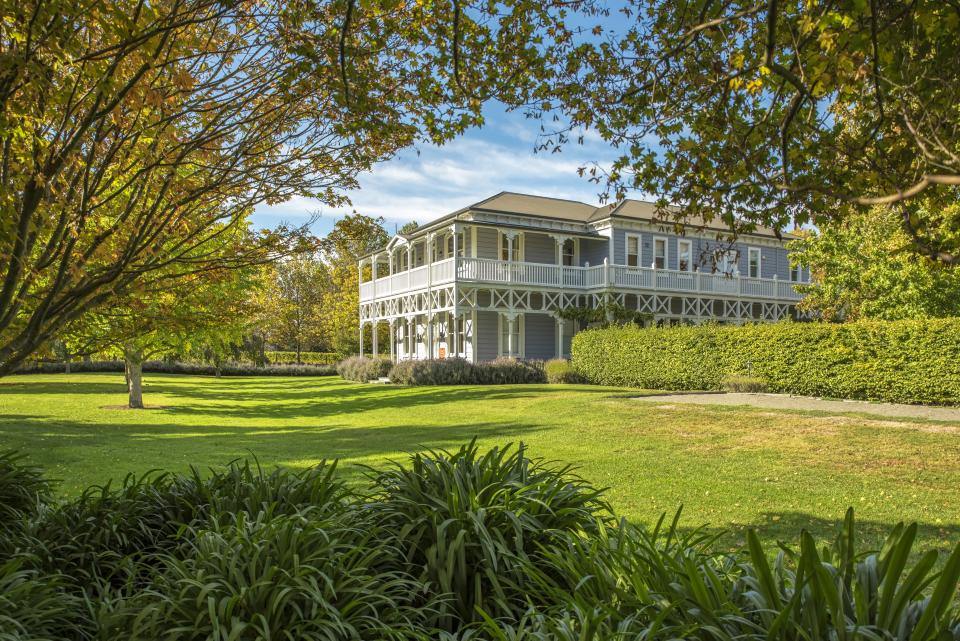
898,361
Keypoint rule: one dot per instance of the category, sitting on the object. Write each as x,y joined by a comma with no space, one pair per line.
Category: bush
363,369
177,367
746,384
560,370
306,358
456,371
896,361
23,489
455,545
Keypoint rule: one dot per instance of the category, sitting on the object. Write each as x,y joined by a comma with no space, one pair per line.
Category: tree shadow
785,527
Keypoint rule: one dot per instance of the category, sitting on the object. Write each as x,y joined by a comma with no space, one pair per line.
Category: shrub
306,358
363,369
23,489
896,361
455,545
560,370
504,371
747,384
448,371
456,371
470,524
292,577
178,367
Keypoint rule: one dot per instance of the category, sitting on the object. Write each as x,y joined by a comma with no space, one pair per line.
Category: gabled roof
648,212
509,202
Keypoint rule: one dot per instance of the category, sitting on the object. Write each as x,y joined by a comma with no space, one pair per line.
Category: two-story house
489,280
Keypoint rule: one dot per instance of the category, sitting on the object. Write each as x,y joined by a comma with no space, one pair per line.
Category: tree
866,267
351,237
124,126
774,112
290,307
409,228
172,314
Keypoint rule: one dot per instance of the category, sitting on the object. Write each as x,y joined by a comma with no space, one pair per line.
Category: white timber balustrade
586,278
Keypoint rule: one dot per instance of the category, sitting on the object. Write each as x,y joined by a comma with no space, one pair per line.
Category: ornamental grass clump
464,544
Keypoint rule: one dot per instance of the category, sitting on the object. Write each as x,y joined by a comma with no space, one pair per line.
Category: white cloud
440,180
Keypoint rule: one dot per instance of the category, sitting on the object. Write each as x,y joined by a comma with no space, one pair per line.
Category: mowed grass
729,467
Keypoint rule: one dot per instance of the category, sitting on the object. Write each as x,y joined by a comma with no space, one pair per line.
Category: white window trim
666,251
626,249
520,244
576,251
750,252
689,243
501,348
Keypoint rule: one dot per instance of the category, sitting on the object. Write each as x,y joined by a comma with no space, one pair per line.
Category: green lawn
729,467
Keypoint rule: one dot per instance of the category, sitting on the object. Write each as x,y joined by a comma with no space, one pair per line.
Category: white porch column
393,341
411,338
374,327
390,261
409,256
455,339
430,320
361,338
511,324
560,324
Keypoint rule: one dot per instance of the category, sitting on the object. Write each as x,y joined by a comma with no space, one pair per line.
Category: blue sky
422,186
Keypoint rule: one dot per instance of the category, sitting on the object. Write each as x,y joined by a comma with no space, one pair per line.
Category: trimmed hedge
909,361
176,367
306,358
456,371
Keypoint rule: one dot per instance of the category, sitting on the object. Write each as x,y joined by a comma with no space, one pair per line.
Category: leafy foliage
457,371
362,369
865,266
177,367
307,358
896,361
455,545
23,488
560,370
774,113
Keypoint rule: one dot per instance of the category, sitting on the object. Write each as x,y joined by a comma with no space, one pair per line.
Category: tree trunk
133,365
66,367
298,352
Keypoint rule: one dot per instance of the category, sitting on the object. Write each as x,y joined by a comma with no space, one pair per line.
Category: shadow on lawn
785,527
273,444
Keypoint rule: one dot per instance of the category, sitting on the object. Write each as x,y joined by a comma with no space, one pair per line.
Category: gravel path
787,402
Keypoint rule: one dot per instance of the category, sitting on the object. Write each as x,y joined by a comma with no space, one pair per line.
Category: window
660,253
796,273
510,248
685,255
517,351
753,262
569,252
725,261
633,250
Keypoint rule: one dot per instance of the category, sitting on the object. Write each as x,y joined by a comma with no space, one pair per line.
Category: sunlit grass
730,467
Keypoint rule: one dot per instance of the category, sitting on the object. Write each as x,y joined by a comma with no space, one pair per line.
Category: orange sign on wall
443,352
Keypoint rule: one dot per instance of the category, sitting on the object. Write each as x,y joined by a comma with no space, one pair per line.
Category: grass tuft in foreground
467,544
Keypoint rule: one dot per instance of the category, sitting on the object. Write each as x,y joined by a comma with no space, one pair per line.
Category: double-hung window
505,338
510,247
660,253
796,273
726,261
753,262
685,255
633,250
569,252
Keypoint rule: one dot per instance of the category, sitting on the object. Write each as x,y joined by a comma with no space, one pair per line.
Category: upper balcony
484,271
